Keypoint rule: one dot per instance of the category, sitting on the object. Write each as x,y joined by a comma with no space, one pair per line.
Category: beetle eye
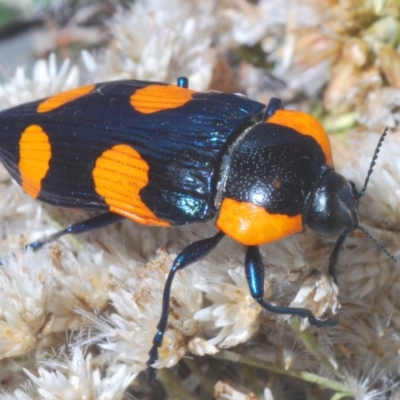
334,206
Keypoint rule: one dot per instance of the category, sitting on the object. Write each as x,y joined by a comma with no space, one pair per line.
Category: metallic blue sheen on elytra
183,146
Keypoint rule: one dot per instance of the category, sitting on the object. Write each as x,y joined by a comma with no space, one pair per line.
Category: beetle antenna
376,243
373,161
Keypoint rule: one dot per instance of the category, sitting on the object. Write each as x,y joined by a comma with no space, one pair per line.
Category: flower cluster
351,48
47,79
100,293
159,40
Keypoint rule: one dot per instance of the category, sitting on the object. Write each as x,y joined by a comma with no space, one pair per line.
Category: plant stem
305,376
207,385
172,385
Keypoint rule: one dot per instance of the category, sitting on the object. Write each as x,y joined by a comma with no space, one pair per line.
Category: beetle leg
188,255
335,254
254,270
87,225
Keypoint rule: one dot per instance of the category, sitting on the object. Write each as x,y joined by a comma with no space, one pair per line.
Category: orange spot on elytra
153,98
252,225
306,125
63,98
119,175
34,158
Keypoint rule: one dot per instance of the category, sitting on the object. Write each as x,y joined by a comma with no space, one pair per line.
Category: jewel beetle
165,155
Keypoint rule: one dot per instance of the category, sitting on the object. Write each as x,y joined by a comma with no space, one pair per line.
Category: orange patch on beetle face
306,125
34,158
153,98
119,175
252,225
63,98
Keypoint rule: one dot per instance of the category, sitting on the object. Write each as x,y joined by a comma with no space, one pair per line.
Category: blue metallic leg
189,255
254,270
89,224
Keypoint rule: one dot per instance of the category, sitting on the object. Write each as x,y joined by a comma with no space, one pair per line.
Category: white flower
27,393
318,292
381,202
80,282
367,387
25,292
47,79
137,298
159,40
201,346
370,270
250,23
233,310
78,377
378,107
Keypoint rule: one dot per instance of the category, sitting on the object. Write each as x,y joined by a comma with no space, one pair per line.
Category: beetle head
333,209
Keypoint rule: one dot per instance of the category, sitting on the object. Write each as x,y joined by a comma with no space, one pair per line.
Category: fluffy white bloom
159,40
137,298
264,21
47,79
17,395
28,393
233,310
383,192
80,282
77,377
318,292
201,347
379,210
25,291
378,108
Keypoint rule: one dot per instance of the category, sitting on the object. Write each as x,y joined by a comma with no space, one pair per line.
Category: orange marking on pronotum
252,225
306,125
63,98
119,175
34,158
153,98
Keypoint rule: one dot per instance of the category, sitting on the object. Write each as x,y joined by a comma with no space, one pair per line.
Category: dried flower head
159,40
75,376
352,48
47,79
318,293
25,291
127,334
372,270
233,311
